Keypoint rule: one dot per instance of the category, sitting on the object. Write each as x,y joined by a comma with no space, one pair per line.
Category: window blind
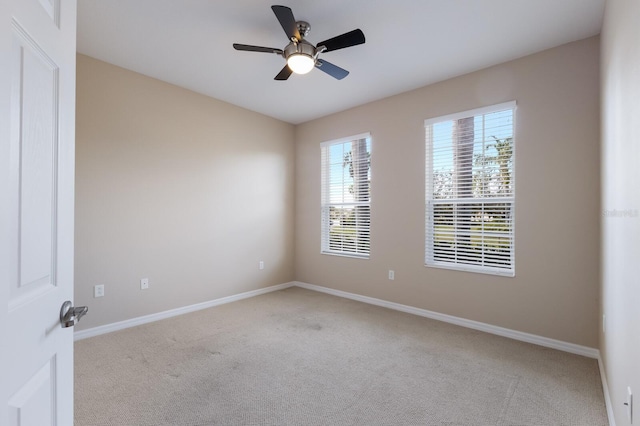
470,190
346,196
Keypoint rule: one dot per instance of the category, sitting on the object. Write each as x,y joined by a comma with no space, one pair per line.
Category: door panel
34,111
33,404
52,7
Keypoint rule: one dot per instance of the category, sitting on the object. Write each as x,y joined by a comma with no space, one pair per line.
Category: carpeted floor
298,357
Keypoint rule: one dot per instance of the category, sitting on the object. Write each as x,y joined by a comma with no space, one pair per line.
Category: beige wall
620,345
555,291
193,192
183,189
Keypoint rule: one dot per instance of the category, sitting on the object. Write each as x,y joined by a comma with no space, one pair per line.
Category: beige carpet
298,357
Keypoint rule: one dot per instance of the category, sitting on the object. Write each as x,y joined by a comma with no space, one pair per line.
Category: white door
36,218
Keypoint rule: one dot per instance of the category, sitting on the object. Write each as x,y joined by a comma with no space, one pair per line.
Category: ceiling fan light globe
300,63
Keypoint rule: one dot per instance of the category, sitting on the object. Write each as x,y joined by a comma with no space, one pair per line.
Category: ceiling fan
302,56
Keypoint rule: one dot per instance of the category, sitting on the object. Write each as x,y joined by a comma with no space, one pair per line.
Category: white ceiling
410,43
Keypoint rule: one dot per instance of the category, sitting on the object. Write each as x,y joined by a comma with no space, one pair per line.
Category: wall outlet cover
98,290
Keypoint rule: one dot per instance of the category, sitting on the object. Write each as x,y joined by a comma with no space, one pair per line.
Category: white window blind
346,196
470,191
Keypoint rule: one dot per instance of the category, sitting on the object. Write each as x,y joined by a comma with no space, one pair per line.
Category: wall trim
605,389
480,326
121,325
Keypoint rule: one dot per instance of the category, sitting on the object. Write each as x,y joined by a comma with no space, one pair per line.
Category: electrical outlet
261,264
392,275
629,405
98,290
144,283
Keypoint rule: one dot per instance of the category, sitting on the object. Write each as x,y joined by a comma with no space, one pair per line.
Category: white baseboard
108,328
605,389
487,328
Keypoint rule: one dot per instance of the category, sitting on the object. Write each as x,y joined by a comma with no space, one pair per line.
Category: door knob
69,315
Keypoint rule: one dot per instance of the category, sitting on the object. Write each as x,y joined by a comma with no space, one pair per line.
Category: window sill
470,268
352,256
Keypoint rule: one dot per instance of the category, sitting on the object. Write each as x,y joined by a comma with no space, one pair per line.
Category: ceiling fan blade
288,22
249,48
333,70
352,38
284,73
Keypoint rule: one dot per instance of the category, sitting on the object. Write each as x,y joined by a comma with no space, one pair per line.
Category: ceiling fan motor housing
302,47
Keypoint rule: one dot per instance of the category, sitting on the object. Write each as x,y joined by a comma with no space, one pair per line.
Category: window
346,196
470,191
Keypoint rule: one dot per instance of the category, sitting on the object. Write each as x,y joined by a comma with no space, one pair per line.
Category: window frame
429,259
325,206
